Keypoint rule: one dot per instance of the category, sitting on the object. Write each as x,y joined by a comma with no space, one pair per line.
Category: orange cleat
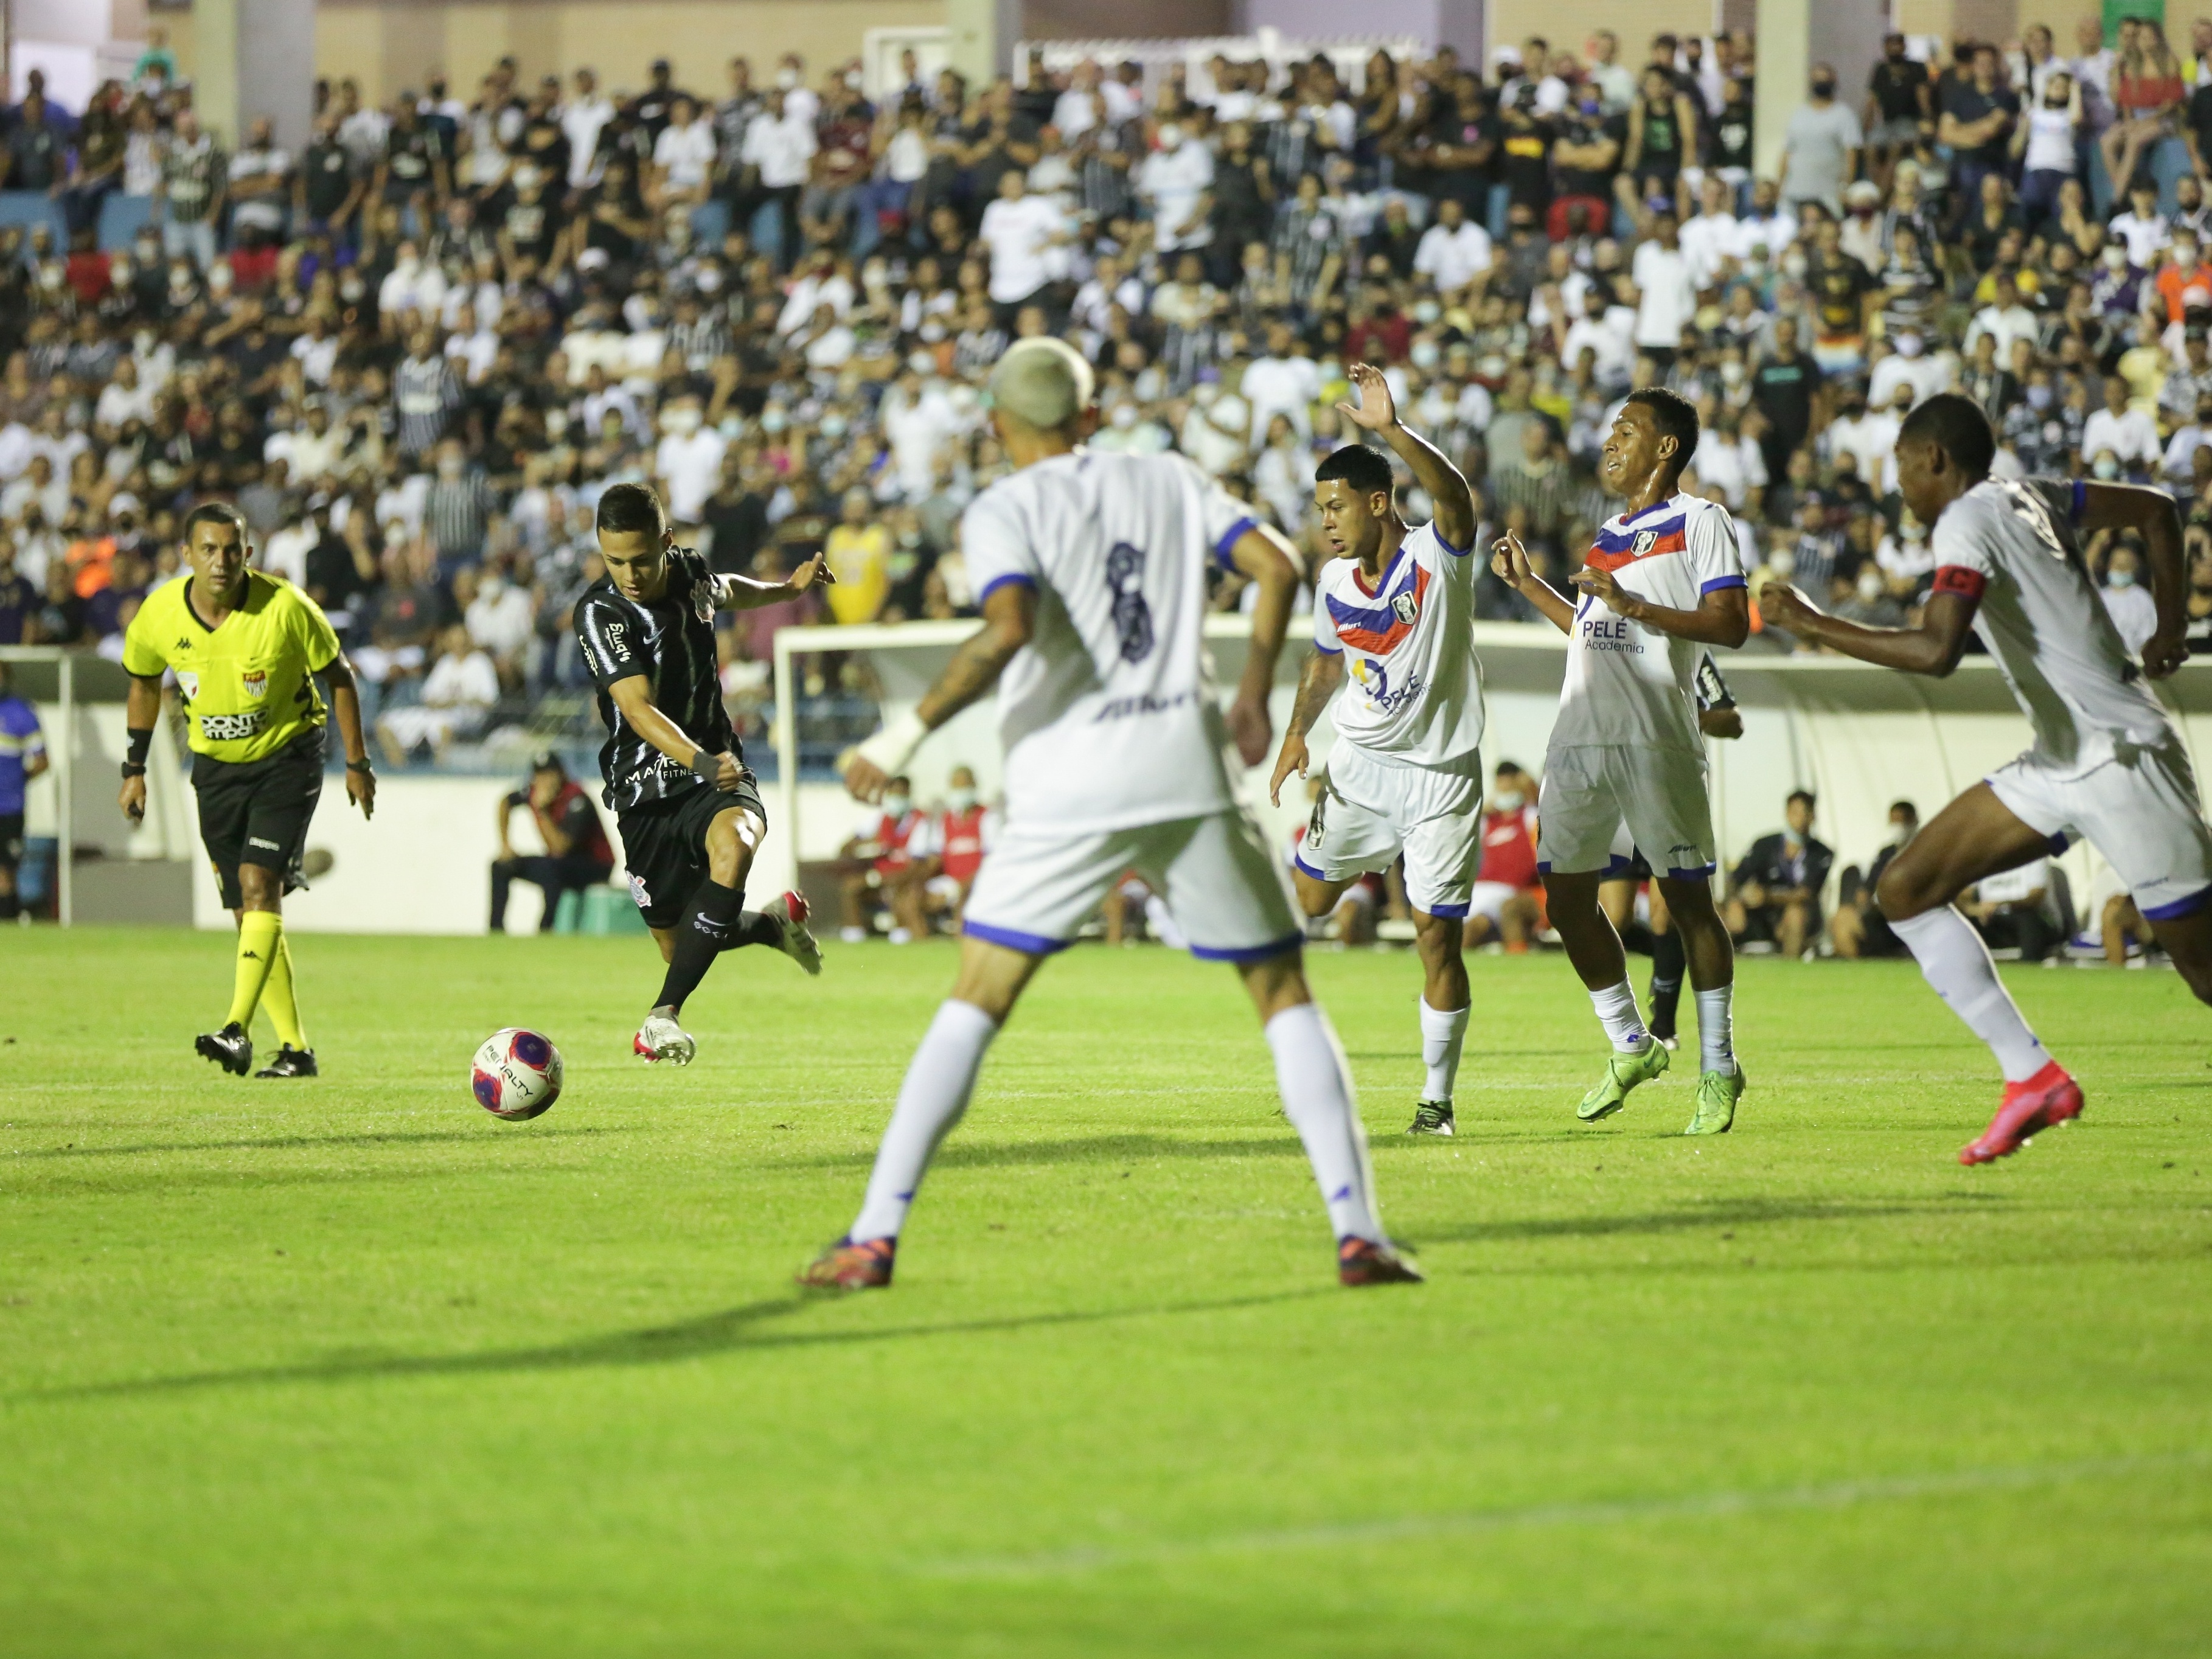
1362,1262
846,1266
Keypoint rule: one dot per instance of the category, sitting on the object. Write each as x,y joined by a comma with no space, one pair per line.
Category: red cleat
1362,1262
846,1266
2048,1097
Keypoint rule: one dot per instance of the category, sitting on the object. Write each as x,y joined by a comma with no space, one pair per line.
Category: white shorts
1490,899
1223,887
1591,793
2139,808
1371,810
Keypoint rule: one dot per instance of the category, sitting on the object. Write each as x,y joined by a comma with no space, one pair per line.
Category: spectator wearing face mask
2119,437
1775,896
1820,146
949,846
1506,905
2127,601
881,873
1858,928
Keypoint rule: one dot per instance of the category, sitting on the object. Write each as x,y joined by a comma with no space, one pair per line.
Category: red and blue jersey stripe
1377,630
1617,542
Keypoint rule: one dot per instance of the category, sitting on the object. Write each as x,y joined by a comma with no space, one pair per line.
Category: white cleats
791,912
661,1038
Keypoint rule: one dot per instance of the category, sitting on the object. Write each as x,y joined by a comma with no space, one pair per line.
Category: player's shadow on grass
289,1143
1730,1212
1092,1149
733,1330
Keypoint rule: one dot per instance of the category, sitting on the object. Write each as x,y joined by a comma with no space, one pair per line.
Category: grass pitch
350,1368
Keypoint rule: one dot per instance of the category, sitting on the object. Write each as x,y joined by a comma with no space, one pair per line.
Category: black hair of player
631,510
1956,426
1675,417
1806,795
1357,465
215,512
1907,808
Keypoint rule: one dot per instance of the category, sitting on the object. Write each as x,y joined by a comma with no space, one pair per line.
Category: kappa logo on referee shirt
257,683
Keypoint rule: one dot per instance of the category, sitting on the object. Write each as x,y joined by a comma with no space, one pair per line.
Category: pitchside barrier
1859,737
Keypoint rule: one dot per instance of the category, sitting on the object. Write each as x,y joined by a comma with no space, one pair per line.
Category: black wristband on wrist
139,745
132,769
361,766
707,765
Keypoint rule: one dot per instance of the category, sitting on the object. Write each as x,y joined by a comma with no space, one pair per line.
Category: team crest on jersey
639,896
1645,541
1405,606
703,601
189,683
257,683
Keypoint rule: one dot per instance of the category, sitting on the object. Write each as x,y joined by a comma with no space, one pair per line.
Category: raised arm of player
743,593
1723,615
1377,412
633,695
1264,555
1508,562
1009,621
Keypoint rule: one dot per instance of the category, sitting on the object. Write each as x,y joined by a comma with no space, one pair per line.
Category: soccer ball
517,1074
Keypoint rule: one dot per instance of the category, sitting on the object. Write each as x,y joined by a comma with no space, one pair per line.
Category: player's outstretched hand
864,779
1509,561
1293,758
2163,652
815,573
1375,411
132,800
360,790
729,772
1250,728
1601,586
1783,606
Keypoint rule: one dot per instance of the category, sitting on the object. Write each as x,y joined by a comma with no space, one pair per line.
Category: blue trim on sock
2181,906
1034,944
1697,874
1250,952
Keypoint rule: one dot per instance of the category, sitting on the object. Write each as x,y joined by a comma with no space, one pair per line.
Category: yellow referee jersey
249,685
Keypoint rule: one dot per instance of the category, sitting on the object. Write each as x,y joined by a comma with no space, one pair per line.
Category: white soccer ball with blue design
517,1073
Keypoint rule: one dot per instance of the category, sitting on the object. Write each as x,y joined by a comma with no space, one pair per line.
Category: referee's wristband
890,748
138,743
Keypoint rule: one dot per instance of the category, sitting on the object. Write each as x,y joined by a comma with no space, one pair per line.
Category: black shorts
665,846
258,812
11,841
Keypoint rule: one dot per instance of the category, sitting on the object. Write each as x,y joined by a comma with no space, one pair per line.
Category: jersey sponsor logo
1602,630
189,683
268,845
256,681
618,640
703,601
1121,707
229,728
1372,677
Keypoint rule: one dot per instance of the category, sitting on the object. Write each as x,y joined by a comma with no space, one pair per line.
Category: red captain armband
1957,579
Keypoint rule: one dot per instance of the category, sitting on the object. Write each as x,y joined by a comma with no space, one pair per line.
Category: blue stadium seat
28,208
710,222
120,217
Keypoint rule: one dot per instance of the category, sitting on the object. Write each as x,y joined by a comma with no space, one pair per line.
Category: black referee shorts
258,812
665,846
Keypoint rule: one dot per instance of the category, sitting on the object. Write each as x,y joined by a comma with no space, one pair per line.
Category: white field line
1841,1495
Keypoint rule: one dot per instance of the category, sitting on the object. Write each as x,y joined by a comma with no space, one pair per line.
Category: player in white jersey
1092,570
2106,764
1391,614
1664,580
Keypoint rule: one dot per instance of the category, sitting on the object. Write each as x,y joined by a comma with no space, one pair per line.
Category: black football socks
718,921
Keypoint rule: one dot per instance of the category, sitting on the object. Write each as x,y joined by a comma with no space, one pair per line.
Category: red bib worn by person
892,834
1508,848
960,841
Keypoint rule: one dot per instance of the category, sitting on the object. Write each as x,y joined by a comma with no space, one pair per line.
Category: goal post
102,868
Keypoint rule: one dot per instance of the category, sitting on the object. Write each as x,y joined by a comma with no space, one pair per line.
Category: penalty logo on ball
517,1073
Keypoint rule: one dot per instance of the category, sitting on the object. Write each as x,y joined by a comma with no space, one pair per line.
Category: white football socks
1954,961
1442,1034
1317,1098
1616,1011
938,1080
1717,1029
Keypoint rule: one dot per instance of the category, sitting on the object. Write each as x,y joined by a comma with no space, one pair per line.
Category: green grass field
351,1368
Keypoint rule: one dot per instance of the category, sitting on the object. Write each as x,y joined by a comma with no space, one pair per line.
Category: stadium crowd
417,350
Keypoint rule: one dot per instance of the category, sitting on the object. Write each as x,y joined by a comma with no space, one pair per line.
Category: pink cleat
2048,1098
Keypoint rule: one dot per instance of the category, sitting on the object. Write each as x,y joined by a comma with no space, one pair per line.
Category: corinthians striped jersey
670,642
1626,683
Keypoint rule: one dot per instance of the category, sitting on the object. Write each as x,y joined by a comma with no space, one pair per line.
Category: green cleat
1717,1094
1622,1072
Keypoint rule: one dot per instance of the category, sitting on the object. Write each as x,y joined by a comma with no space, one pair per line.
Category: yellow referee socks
260,936
278,998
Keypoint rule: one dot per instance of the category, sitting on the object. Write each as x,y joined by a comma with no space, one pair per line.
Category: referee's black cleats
230,1048
290,1063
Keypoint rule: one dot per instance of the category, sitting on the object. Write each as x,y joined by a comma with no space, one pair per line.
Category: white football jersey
1413,687
2012,544
1108,715
1626,683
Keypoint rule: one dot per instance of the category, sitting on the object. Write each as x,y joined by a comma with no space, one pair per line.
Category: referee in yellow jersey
247,648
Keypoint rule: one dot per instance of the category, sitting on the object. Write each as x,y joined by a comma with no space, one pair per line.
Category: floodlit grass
350,1368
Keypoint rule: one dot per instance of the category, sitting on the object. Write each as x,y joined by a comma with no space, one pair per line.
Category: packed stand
415,352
